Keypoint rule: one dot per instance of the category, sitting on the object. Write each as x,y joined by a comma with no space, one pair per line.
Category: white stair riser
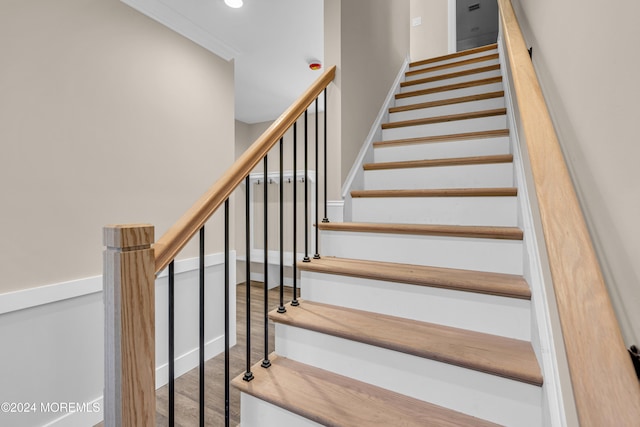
444,110
501,256
452,80
492,211
452,69
256,412
458,59
507,317
448,94
475,393
446,128
463,176
442,150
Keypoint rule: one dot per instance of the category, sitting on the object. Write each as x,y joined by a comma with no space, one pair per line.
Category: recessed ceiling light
233,3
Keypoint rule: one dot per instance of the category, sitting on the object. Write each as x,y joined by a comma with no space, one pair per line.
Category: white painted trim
73,419
376,129
540,299
335,210
55,303
190,264
41,295
179,23
259,277
187,361
452,27
273,257
33,297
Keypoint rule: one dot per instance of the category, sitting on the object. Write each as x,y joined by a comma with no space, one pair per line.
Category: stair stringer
355,179
546,335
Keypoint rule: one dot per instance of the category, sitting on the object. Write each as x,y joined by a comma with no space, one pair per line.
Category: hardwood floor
187,386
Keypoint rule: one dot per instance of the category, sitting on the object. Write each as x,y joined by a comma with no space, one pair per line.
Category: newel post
129,298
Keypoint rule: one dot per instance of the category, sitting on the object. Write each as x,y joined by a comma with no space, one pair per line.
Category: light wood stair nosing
453,55
497,284
463,73
438,192
452,65
339,401
446,88
466,136
463,231
447,118
491,354
453,161
448,101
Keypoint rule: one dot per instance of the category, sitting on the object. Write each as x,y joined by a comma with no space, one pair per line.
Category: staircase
418,313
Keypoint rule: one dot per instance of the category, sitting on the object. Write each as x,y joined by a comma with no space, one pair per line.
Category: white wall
53,341
583,53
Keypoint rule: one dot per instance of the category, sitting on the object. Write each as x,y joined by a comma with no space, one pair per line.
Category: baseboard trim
546,349
73,419
75,307
375,131
187,361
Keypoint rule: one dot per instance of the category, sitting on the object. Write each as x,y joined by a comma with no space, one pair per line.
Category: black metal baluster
317,254
226,314
294,301
202,343
266,362
326,217
171,356
248,375
306,192
281,308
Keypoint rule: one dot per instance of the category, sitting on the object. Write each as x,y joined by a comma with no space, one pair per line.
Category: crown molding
182,25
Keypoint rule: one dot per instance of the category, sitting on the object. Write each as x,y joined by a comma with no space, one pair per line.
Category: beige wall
585,54
431,38
368,40
106,117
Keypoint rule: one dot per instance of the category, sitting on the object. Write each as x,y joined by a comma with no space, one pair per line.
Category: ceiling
271,42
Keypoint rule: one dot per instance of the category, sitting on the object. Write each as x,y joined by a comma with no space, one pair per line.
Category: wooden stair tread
499,284
453,161
472,231
450,101
450,75
452,64
504,357
447,118
439,192
444,138
454,55
335,400
445,88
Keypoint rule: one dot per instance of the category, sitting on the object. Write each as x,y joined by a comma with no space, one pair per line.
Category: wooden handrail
605,386
168,246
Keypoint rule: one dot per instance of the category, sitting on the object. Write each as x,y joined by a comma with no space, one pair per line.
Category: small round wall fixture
315,65
233,3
